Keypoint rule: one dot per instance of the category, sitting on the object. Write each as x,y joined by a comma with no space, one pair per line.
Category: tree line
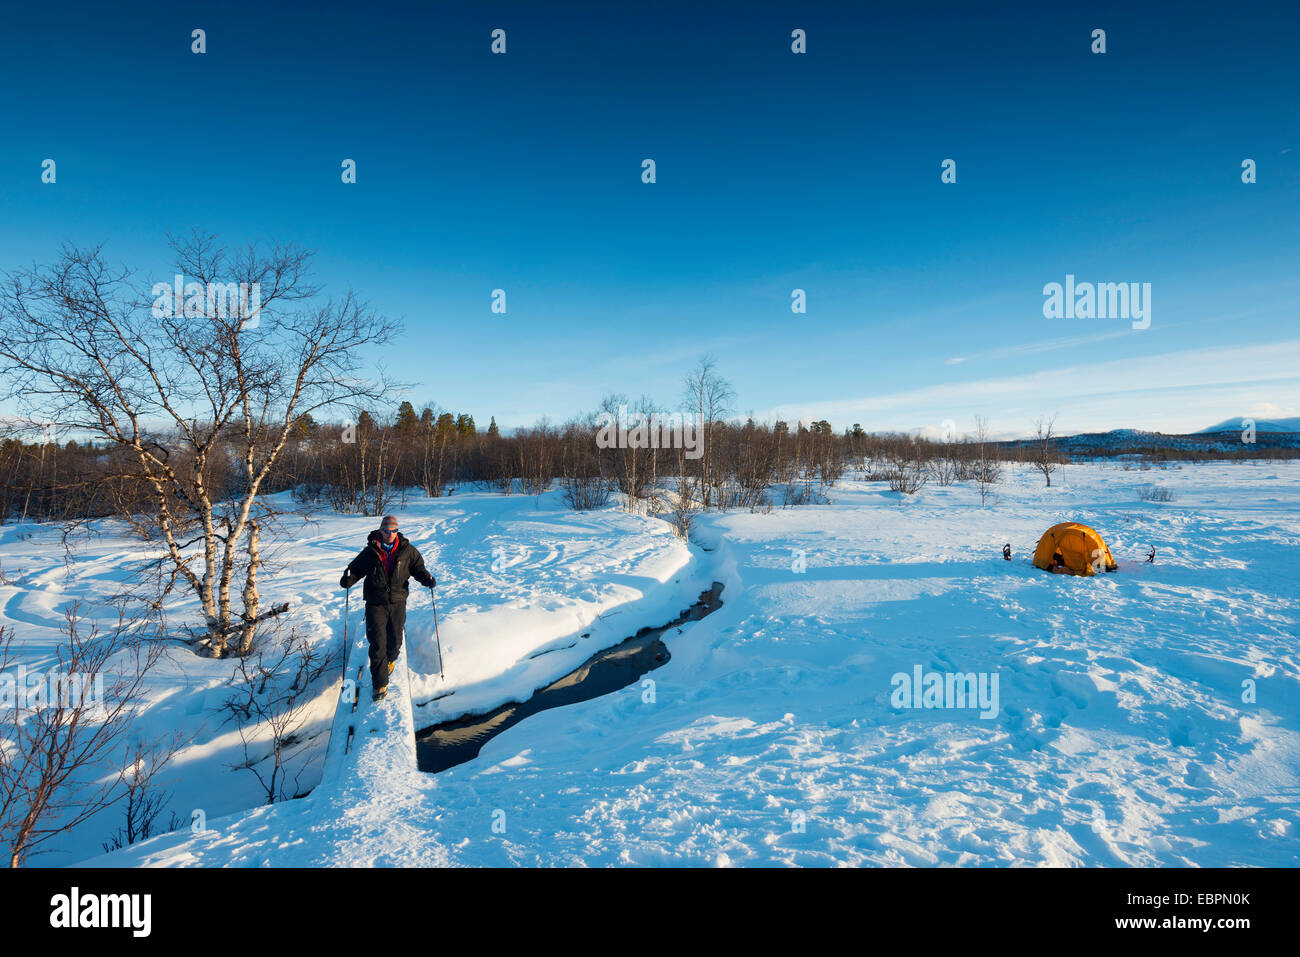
364,466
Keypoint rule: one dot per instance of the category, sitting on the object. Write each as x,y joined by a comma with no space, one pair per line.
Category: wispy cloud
1170,391
1034,348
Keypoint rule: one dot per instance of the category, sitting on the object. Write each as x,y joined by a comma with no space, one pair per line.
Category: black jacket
382,588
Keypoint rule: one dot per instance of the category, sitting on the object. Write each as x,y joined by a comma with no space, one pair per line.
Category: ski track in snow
1122,737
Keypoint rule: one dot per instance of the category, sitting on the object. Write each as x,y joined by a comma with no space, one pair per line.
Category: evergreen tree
406,420
304,425
493,431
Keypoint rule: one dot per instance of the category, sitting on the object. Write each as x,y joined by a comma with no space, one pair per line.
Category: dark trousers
384,627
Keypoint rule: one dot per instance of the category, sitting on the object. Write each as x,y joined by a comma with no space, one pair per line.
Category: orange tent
1073,548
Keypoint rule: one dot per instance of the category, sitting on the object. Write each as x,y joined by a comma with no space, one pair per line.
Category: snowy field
1146,717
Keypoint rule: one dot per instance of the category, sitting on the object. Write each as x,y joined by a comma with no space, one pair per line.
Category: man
387,563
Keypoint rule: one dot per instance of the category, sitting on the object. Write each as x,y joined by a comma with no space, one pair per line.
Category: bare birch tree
988,470
708,396
175,387
1045,457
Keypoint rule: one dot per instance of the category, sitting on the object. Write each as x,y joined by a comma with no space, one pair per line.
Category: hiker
1006,551
387,563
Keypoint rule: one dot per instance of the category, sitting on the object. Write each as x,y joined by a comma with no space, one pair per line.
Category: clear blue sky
775,171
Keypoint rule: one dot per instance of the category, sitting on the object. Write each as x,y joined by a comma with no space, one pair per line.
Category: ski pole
346,595
435,631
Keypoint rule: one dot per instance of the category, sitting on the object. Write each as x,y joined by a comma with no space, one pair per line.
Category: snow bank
1150,717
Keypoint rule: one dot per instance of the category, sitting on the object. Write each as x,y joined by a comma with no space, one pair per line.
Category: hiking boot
381,693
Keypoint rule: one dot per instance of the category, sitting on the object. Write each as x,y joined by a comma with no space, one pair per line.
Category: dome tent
1073,548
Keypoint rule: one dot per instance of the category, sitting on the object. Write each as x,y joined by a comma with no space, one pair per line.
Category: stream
442,746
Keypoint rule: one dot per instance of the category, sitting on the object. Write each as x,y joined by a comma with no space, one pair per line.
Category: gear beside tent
1073,548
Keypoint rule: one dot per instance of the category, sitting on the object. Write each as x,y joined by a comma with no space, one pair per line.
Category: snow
770,738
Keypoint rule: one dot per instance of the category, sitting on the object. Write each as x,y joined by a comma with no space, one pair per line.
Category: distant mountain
1261,425
1219,441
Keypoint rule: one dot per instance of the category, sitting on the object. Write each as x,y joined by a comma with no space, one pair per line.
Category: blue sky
775,171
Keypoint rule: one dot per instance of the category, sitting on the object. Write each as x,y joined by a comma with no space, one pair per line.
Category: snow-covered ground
1146,717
